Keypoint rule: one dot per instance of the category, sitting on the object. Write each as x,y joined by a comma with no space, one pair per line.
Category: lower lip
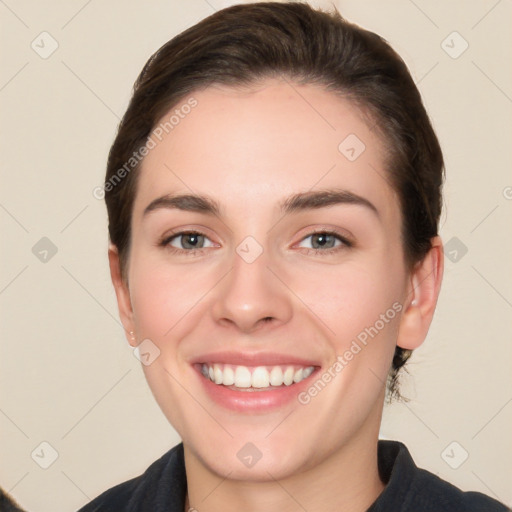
253,401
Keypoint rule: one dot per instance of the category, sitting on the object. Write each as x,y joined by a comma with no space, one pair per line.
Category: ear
420,303
122,293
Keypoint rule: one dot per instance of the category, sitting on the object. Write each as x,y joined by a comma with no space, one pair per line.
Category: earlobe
122,294
421,299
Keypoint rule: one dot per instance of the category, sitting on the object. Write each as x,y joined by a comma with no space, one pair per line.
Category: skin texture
249,150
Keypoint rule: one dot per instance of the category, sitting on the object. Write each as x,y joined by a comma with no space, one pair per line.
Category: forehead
251,147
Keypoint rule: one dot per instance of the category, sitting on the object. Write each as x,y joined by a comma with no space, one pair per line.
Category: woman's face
296,265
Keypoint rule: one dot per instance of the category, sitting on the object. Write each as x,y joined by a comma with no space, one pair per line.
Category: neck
348,480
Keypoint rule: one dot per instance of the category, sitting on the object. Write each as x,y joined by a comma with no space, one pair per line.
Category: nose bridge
251,293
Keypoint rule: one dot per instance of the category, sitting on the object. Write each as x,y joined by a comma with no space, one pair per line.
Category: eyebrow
302,201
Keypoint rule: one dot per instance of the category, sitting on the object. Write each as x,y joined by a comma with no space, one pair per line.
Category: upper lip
253,359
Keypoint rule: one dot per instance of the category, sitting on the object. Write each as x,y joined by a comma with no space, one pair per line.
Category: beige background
67,375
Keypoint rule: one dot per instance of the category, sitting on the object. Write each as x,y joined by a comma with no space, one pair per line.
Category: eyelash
345,243
191,252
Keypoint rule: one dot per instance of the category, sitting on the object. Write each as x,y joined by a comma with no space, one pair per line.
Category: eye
325,241
187,241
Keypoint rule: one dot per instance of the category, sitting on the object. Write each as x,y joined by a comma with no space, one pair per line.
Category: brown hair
243,44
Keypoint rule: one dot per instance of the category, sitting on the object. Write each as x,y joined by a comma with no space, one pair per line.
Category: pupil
191,240
322,240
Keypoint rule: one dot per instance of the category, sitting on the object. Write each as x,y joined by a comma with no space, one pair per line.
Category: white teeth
288,376
258,377
307,372
276,376
217,374
242,377
229,376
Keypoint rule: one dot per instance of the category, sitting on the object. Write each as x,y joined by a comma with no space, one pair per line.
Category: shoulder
411,488
163,483
435,494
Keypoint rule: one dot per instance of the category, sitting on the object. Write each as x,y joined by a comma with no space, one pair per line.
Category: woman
274,192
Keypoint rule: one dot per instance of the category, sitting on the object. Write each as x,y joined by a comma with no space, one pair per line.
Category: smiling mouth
254,378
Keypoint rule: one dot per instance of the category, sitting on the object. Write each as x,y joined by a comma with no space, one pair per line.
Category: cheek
165,298
360,305
350,297
155,304
167,304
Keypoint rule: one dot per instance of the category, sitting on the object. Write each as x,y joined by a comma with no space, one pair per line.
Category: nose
251,296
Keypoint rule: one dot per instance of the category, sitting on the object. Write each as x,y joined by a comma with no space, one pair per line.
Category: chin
251,464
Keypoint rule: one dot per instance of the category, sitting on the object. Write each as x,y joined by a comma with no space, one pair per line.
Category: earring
414,302
132,336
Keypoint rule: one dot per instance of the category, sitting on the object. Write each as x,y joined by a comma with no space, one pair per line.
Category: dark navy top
163,488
